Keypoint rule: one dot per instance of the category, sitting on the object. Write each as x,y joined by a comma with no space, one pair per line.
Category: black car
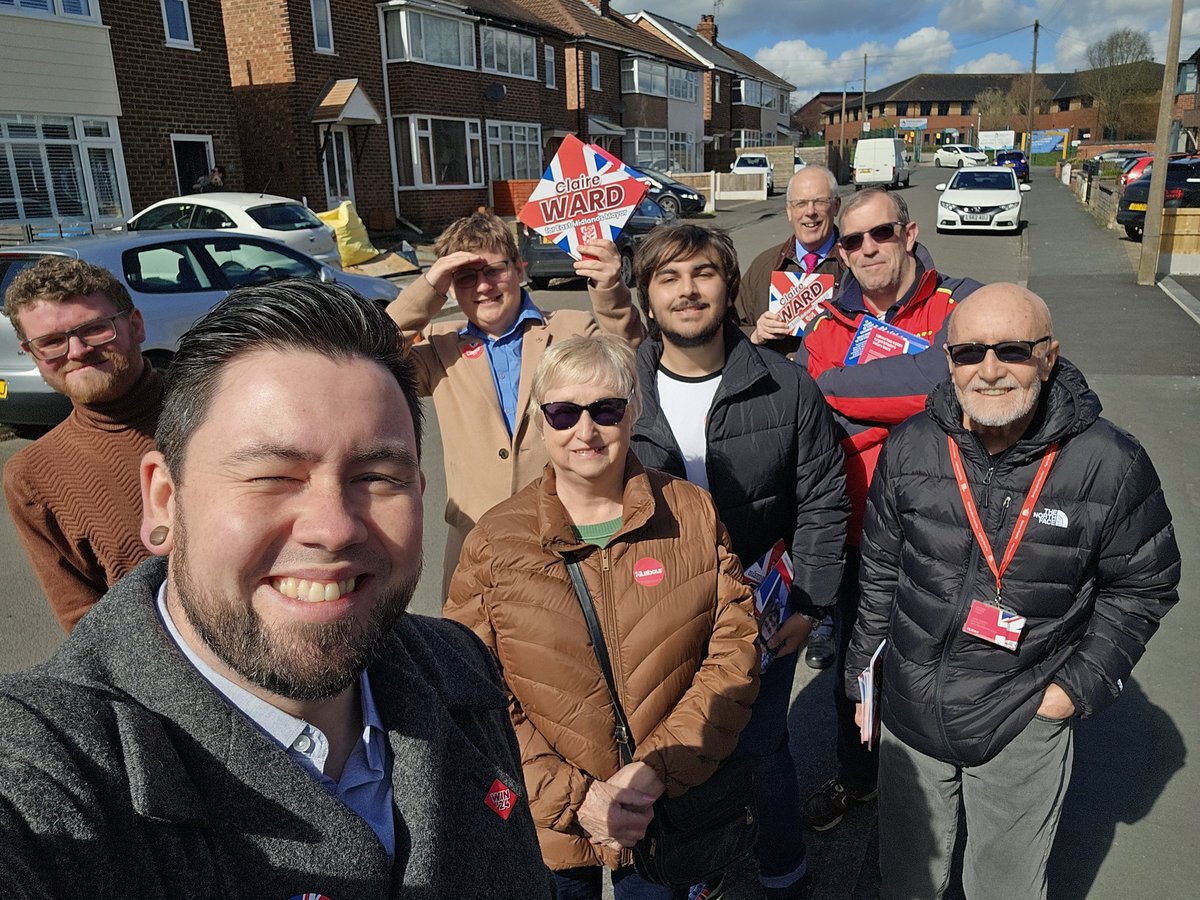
1182,190
544,260
677,198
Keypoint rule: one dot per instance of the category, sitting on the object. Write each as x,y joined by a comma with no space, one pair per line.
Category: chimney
707,29
603,4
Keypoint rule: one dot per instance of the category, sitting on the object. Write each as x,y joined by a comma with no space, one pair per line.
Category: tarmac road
1130,822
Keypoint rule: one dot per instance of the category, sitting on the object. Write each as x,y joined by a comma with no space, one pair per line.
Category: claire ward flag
585,194
797,298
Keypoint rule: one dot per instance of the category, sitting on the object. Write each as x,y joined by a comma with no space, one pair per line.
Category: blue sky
818,44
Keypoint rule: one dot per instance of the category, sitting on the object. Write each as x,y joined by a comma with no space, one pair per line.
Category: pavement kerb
1182,297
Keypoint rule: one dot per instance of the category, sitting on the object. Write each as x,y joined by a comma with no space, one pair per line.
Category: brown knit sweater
75,500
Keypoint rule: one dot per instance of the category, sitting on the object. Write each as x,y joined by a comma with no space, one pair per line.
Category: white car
797,163
278,218
754,164
958,156
982,197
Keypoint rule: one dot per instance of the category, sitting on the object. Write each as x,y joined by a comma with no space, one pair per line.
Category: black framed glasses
93,333
563,415
880,234
465,279
1006,351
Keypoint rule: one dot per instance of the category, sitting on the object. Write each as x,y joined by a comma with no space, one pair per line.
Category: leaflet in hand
796,299
868,692
876,339
772,579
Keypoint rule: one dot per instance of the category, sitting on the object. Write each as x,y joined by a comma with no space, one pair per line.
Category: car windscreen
285,217
756,161
967,180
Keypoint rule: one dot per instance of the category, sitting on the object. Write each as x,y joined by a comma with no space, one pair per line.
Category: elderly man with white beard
1017,555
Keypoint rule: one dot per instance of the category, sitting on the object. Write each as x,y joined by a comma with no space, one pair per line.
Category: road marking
1182,297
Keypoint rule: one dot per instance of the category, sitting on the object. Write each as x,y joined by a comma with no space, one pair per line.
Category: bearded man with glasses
1018,555
473,369
73,494
890,277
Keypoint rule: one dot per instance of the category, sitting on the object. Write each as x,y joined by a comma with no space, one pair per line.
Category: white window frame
83,143
716,87
595,70
548,63
653,141
327,8
643,76
532,144
51,9
770,96
193,138
499,35
681,83
747,137
681,150
472,133
189,43
466,38
740,86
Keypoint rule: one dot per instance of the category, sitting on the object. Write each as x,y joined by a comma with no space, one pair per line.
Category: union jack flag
585,194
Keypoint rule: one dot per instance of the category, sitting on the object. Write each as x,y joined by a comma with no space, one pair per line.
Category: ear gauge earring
158,536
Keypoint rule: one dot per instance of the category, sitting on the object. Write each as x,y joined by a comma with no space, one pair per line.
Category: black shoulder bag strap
621,731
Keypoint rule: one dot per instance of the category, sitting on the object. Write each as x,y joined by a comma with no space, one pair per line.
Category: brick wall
644,111
166,90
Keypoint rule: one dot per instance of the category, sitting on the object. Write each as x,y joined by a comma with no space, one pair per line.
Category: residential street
1131,818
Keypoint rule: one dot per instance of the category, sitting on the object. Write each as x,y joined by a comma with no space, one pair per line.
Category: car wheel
627,267
961,163
937,162
670,206
1134,232
538,282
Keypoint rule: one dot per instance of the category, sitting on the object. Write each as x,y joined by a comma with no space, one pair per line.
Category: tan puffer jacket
681,642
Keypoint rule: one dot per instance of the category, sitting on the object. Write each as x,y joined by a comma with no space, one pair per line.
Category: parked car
544,259
1137,166
279,218
675,197
981,197
1015,160
797,162
958,156
880,161
1182,191
174,278
754,164
1121,154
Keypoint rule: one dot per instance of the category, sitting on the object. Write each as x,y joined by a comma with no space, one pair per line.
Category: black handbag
695,837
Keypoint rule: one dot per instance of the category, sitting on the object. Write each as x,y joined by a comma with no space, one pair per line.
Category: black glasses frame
563,414
460,277
880,234
973,353
32,345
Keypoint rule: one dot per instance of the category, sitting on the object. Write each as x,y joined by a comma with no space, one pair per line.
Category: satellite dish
495,92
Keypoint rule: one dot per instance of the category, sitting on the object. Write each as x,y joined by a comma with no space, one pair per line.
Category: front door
193,160
339,180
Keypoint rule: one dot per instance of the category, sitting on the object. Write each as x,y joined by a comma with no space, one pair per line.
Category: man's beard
300,661
699,338
992,414
97,386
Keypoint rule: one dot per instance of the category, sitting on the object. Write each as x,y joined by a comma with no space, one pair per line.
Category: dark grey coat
124,774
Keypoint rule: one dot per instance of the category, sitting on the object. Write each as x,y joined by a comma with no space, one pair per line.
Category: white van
880,161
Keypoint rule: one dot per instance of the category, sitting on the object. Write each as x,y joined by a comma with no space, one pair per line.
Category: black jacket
774,462
1097,569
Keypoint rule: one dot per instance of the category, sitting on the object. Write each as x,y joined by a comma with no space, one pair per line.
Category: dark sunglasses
563,415
1006,351
880,234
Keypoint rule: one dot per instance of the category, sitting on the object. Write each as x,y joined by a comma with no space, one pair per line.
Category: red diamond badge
500,799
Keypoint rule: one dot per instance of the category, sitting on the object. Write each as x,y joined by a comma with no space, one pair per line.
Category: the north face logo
1054,517
500,799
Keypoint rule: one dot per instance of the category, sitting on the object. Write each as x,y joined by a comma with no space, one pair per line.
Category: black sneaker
820,652
827,806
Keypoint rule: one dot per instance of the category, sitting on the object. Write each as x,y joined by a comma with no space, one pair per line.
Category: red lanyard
964,491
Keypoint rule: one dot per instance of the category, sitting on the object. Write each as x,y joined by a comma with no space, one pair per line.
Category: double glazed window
434,152
514,150
508,52
411,35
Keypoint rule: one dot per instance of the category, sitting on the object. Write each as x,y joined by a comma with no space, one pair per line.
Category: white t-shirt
686,402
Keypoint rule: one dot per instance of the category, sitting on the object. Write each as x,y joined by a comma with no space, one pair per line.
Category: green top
600,534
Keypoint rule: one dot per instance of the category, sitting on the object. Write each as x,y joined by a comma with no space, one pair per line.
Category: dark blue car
1015,160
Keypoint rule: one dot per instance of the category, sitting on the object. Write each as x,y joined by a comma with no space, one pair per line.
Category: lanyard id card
994,624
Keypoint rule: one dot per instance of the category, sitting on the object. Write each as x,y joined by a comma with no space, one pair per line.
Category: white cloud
983,16
989,64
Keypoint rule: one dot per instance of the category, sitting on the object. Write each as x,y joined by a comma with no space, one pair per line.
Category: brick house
1185,113
109,105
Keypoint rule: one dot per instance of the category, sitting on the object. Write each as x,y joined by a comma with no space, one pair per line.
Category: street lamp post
842,137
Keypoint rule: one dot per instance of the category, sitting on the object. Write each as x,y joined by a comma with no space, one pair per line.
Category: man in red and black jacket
890,277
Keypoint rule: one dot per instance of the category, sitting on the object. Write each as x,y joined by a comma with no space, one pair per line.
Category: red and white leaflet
797,298
868,692
585,194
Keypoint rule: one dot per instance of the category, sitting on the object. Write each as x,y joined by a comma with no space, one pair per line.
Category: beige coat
484,465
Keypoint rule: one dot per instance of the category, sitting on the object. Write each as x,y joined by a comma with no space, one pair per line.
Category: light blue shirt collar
822,252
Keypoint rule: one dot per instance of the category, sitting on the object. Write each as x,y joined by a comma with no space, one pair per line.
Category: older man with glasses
891,277
812,206
473,369
73,494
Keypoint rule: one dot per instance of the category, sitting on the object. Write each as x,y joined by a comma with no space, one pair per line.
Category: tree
995,108
1018,95
1115,77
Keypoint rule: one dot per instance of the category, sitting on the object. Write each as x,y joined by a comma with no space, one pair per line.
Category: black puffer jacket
1097,569
774,462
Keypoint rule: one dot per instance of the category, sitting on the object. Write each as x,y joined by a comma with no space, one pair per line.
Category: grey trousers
1011,803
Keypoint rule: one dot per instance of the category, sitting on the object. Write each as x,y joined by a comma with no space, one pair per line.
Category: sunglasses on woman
563,415
880,234
1006,351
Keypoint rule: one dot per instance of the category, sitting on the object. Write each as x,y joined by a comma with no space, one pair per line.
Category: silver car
173,277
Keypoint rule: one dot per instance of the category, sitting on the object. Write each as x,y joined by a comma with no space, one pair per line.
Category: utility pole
1032,81
1152,230
864,96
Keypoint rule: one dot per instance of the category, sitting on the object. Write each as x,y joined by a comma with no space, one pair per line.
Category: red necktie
810,262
